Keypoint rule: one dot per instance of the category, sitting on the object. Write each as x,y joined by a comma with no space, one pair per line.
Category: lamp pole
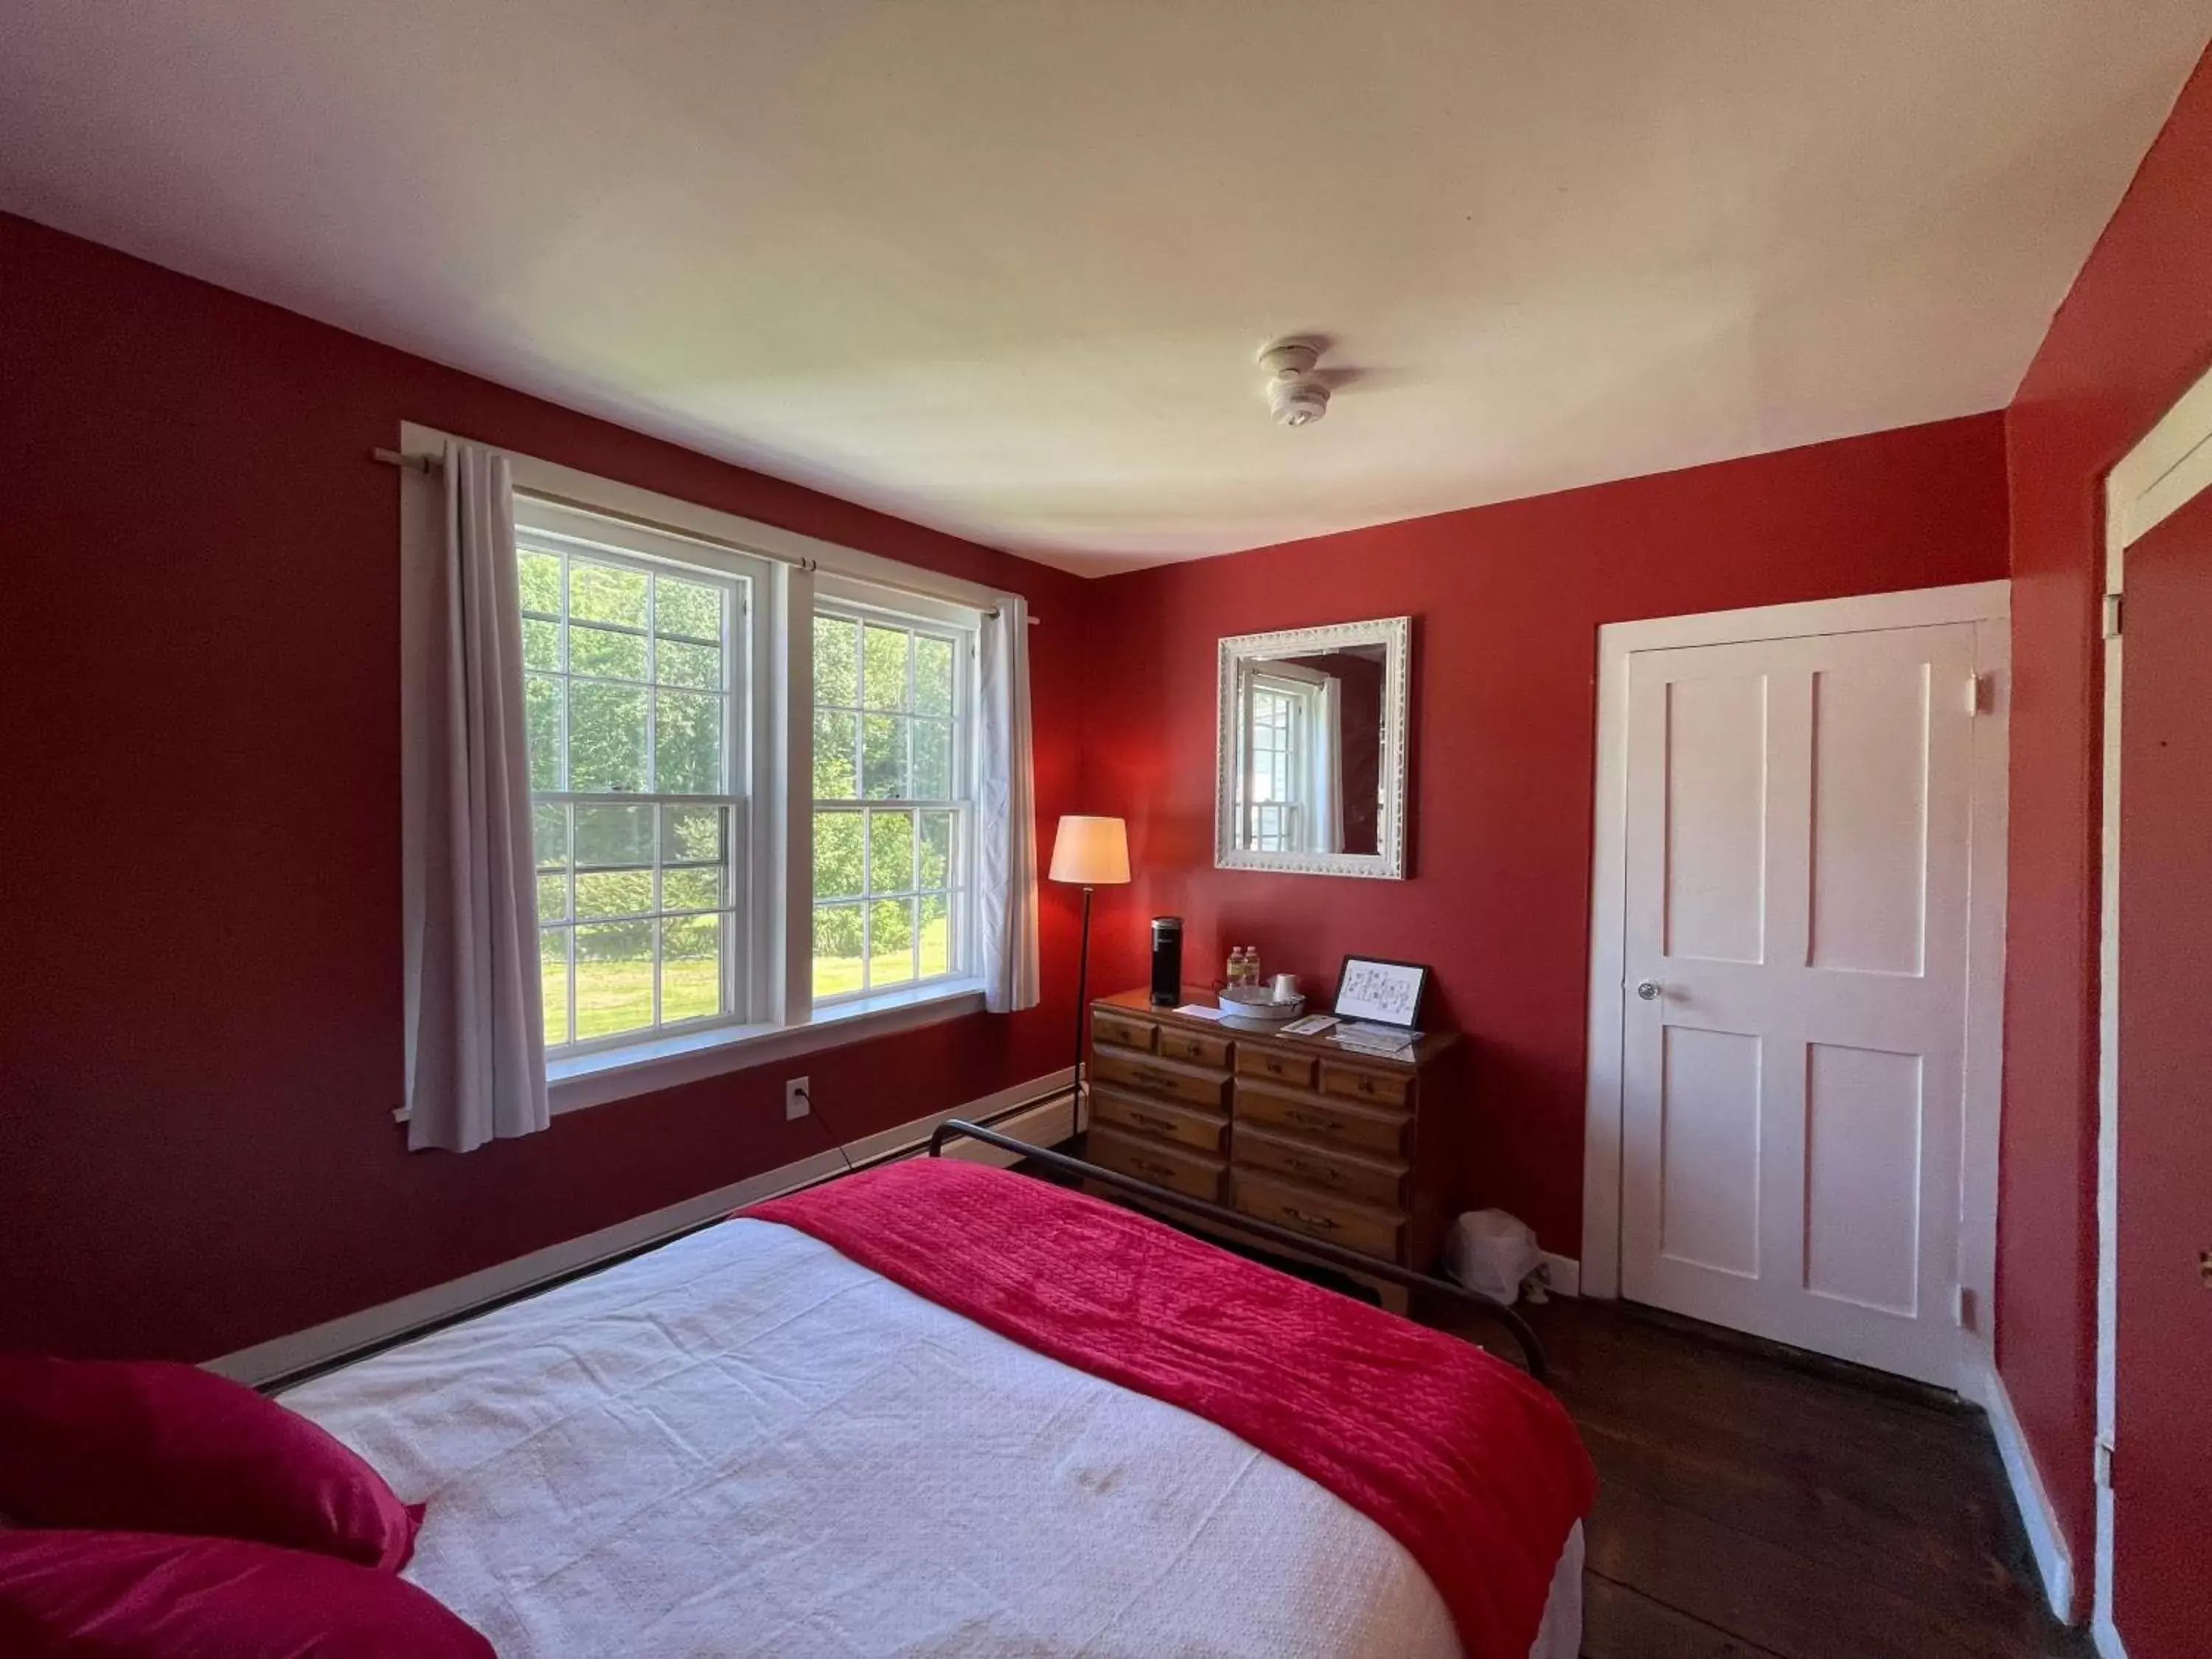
1082,1007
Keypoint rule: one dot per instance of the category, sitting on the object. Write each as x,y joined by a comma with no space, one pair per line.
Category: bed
753,1441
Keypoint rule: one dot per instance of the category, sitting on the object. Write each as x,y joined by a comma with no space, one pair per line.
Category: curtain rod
427,464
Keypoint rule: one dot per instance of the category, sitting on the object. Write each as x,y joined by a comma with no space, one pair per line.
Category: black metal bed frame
1365,1266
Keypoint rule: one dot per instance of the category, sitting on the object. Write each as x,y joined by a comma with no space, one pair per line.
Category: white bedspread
745,1443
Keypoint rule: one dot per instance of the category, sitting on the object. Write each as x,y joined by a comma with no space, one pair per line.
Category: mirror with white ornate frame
1309,763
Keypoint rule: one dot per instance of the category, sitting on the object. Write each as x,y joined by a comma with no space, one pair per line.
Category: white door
1794,1016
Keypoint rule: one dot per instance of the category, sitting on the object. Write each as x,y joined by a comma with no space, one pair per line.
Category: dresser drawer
1190,1173
1124,1029
1322,1215
1366,1179
1297,1070
1202,1132
1360,1128
1358,1083
1196,1047
1168,1079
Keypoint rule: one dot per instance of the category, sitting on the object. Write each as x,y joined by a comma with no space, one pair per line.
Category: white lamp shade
1092,851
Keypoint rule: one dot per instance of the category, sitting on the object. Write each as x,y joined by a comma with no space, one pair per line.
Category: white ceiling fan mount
1296,395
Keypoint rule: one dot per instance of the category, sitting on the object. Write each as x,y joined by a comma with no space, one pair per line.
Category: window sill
667,1062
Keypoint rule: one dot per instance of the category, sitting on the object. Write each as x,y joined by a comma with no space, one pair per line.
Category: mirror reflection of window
1279,782
1309,759
1305,737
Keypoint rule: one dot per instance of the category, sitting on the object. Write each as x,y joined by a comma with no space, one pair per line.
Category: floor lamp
1096,853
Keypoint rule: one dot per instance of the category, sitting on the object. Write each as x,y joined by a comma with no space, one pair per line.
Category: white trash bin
1493,1252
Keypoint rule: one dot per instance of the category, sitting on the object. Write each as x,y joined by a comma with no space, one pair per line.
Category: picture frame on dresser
1380,992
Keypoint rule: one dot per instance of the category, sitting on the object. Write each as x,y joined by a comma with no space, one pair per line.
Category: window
893,808
635,690
1274,744
670,712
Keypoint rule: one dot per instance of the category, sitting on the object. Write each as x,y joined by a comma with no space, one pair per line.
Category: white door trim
1988,605
2167,469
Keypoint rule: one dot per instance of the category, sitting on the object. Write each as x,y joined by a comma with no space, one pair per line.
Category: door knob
1648,990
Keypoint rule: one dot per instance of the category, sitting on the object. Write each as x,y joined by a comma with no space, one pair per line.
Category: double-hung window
640,696
661,908
893,699
753,780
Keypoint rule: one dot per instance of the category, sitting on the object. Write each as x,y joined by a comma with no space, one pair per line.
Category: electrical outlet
797,1102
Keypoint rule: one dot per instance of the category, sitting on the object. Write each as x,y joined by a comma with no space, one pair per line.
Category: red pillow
125,1593
158,1447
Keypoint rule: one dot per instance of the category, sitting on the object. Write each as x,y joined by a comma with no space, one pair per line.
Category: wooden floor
1758,1504
1749,1506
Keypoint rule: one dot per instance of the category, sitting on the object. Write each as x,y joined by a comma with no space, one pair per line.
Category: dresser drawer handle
1320,1221
1318,1171
1313,1120
1164,1124
1152,1169
1152,1079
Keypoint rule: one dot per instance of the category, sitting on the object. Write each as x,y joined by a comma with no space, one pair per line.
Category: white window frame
783,1023
920,618
745,954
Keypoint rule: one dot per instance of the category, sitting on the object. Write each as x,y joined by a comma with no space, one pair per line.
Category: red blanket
1470,1464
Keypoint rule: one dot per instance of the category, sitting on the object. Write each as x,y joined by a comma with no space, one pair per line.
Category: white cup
1286,987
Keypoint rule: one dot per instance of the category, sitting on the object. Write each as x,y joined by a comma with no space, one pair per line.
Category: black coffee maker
1167,961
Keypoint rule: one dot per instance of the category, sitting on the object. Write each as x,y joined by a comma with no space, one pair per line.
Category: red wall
1507,600
2162,1417
2132,336
201,1027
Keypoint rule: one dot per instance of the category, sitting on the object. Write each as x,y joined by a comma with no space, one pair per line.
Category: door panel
2162,1414
1799,815
1868,849
1715,818
1709,1150
1862,1176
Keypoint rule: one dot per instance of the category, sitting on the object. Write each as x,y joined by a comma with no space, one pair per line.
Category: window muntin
634,686
893,809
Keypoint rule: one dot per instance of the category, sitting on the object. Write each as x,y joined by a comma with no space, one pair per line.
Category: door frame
2167,469
1988,606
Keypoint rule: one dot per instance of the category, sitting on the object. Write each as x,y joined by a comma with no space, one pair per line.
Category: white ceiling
1003,267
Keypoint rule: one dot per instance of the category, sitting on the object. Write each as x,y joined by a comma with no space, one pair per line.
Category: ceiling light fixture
1298,396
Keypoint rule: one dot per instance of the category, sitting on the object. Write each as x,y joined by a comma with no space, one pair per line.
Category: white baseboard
2053,1560
1046,1123
2106,1637
1563,1274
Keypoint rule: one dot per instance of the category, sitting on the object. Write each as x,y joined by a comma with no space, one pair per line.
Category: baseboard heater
1045,1118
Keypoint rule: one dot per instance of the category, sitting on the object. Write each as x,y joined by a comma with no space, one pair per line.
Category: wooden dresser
1365,1152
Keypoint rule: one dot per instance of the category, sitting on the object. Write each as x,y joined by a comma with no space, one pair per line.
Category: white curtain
1328,766
476,1046
1005,803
